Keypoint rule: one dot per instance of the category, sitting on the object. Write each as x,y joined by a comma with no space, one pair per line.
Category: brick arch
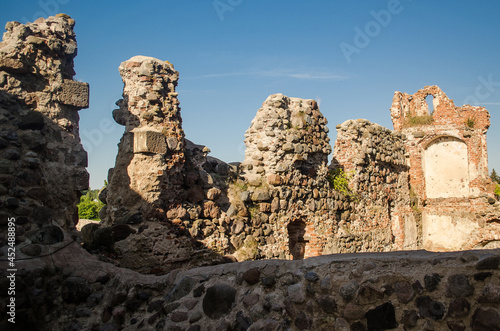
429,140
303,239
296,239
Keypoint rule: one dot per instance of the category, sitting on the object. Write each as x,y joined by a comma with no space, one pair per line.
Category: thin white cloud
227,74
319,76
281,73
489,103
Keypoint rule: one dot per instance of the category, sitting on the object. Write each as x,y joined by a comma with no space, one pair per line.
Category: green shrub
89,210
89,206
419,120
497,189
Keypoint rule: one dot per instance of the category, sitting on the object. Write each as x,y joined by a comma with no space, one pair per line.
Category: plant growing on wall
254,211
414,201
340,181
470,122
496,179
419,120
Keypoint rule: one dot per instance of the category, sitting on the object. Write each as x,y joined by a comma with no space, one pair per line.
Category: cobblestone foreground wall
417,290
42,162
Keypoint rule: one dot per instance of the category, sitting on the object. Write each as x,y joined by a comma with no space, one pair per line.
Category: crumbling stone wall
448,160
249,217
285,171
42,162
467,124
280,202
373,159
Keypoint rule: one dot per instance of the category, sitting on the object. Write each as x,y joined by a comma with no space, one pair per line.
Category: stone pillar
147,176
42,162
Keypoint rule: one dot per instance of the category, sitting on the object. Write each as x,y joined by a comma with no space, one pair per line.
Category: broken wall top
286,133
149,94
36,55
405,108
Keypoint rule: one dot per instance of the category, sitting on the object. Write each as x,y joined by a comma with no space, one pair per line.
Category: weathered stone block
149,142
274,179
12,65
261,194
75,94
218,300
419,134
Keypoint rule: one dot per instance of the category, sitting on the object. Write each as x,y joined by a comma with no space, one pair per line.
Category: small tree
494,177
89,206
88,210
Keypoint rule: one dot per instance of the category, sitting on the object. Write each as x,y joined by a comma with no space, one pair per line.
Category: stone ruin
148,171
380,218
42,160
171,207
448,162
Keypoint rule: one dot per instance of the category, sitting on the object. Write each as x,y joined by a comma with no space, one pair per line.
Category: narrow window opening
430,103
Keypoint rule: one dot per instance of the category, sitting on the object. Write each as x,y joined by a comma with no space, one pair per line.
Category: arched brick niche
297,242
446,168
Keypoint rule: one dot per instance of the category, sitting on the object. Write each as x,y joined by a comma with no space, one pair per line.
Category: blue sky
232,54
